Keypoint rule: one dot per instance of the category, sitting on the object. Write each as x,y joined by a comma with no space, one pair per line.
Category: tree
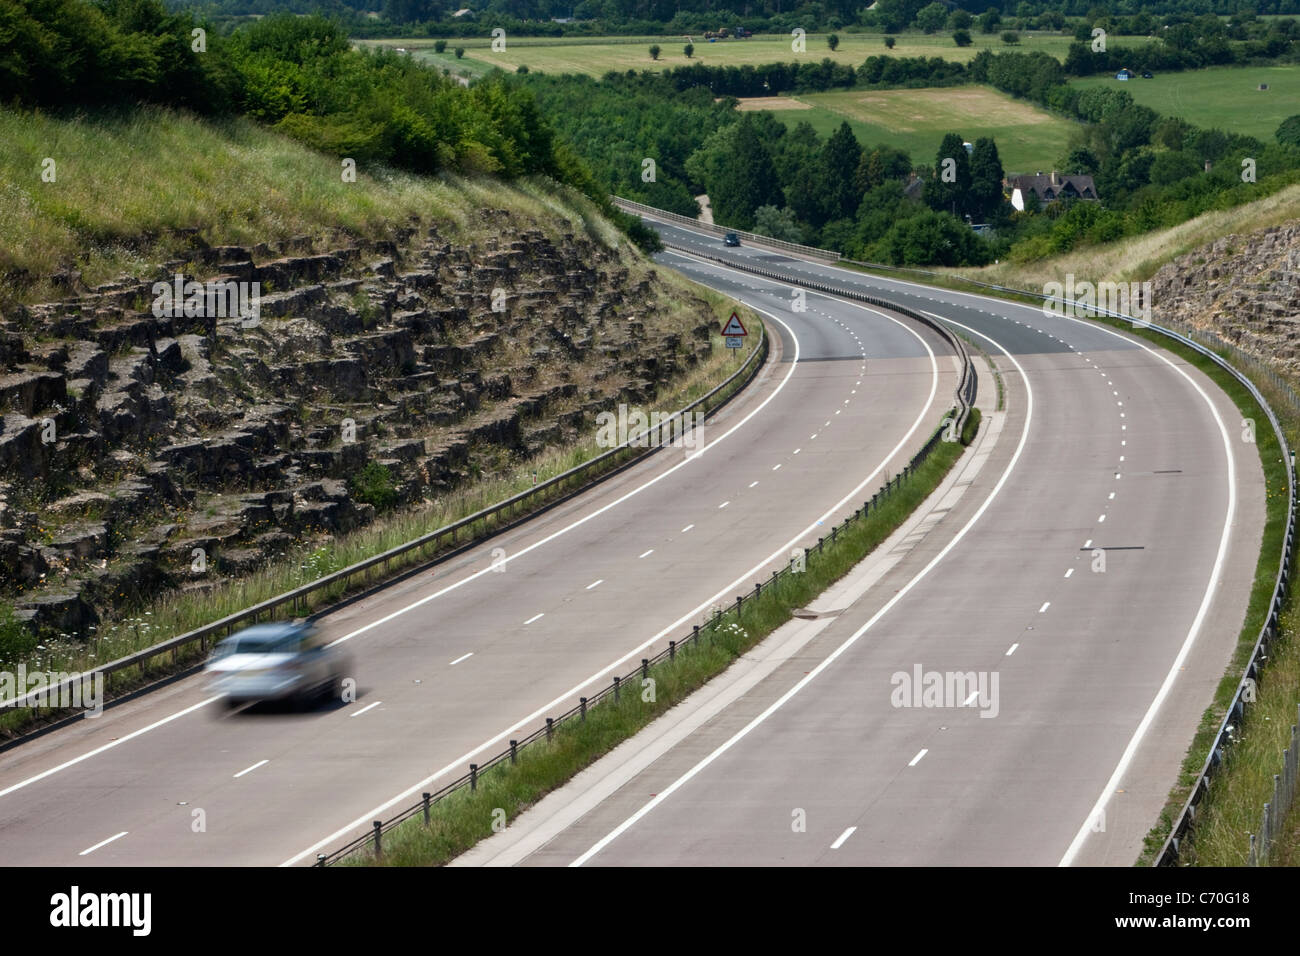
1288,134
745,178
990,19
439,46
777,223
689,50
959,19
949,190
460,52
1010,37
654,51
841,157
889,43
833,41
961,37
933,238
1169,167
986,175
931,18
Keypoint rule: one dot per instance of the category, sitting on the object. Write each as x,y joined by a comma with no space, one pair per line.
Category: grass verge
464,816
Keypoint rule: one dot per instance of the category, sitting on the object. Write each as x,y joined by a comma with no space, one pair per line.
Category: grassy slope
597,56
1138,257
156,171
1028,138
1223,97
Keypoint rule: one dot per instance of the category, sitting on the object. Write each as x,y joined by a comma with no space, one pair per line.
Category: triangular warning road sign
734,326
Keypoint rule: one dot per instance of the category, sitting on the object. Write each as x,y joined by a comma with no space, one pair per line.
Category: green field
1222,97
1029,139
596,56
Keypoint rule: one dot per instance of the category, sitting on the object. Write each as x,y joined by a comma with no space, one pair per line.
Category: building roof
1054,186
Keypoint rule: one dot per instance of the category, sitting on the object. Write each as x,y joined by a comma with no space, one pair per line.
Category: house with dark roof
1050,188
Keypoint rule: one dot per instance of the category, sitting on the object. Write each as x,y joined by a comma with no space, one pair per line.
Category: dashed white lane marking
752,484
843,836
535,617
1111,495
1011,650
797,450
116,836
917,759
776,466
724,504
260,763
358,713
1101,518
1069,571
463,657
596,583
1088,543
645,554
971,699
1046,605
686,529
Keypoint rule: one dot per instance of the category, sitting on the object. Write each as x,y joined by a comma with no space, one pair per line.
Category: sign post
734,331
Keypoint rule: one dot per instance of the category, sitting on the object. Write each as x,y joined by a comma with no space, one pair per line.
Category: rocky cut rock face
132,441
1245,289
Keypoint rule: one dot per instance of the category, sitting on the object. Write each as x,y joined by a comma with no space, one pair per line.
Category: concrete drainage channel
459,535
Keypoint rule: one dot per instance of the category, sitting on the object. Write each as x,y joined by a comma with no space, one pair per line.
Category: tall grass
129,186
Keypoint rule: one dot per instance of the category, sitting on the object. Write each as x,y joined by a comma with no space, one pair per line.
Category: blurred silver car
286,661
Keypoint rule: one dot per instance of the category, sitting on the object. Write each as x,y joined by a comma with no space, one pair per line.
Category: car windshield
281,643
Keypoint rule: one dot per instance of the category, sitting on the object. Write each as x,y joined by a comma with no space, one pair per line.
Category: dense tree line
1150,171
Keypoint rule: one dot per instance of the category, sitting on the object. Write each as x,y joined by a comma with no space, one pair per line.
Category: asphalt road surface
454,661
1094,576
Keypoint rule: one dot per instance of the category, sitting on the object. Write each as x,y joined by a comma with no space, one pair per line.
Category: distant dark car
286,661
731,239
1147,75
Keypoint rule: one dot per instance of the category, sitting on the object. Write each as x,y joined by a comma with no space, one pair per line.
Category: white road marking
724,504
775,467
358,713
463,657
842,837
779,553
917,759
108,746
645,554
1046,605
535,617
596,583
260,763
92,849
686,529
1101,518
835,654
1069,571
752,484
1011,650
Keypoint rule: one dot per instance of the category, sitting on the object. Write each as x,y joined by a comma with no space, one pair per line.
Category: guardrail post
582,705
425,797
379,848
320,859
616,683
514,751
645,668
550,727
473,776
696,635
672,650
